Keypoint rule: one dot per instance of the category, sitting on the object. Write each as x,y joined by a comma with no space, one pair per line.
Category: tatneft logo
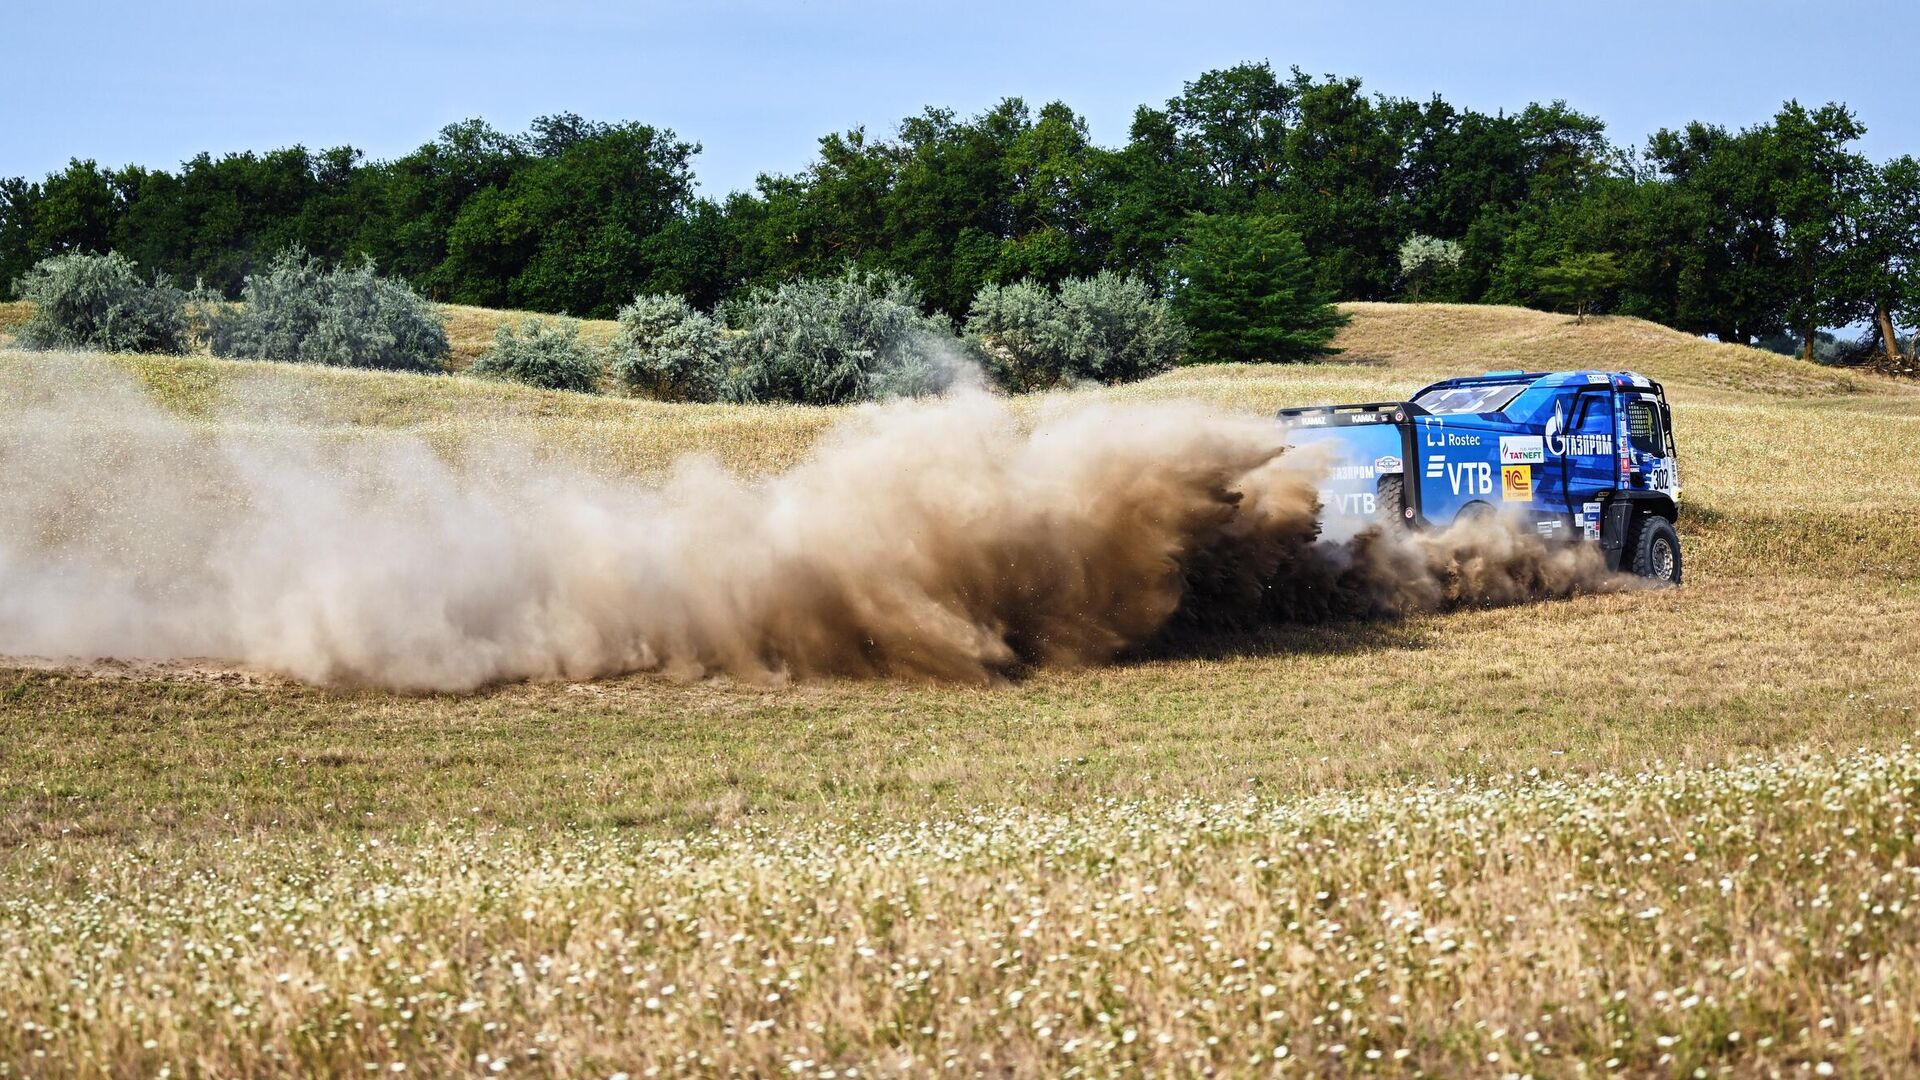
1522,450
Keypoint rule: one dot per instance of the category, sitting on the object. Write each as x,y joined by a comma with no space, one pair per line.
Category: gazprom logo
1560,444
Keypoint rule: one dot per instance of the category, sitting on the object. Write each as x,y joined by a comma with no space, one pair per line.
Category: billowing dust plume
938,539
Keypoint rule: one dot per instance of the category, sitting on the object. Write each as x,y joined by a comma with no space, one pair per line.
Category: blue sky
758,83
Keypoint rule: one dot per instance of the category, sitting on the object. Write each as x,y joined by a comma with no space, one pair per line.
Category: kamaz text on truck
1578,455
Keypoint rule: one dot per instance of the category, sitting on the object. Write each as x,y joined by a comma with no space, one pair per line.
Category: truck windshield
1649,435
1447,400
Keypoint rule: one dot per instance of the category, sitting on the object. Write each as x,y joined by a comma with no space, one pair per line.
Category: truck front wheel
1656,550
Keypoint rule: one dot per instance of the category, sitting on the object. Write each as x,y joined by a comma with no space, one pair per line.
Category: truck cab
1585,456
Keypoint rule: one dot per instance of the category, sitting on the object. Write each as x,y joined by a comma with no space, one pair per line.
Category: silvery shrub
84,301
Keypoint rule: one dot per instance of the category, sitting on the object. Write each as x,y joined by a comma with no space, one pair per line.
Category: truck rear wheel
1656,550
1474,511
1389,505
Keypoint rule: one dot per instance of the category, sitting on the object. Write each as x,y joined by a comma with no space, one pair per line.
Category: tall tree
1141,195
1232,124
18,247
1340,188
71,210
1885,267
1727,208
582,228
1819,186
1580,281
1248,291
1050,168
412,202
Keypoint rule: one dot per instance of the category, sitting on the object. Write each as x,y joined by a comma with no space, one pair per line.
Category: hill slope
252,876
1771,446
1802,535
1430,341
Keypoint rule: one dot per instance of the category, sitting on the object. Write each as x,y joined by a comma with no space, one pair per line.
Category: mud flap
1613,531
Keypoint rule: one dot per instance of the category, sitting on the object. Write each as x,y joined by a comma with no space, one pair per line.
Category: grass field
926,874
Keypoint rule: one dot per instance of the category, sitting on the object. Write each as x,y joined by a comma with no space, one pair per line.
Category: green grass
1798,633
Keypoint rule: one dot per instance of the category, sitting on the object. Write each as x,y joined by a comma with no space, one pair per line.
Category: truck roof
1546,379
1523,382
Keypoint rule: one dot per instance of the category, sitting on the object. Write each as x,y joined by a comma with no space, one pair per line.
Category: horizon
759,102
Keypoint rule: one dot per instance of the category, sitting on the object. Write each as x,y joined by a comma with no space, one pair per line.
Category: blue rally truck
1577,455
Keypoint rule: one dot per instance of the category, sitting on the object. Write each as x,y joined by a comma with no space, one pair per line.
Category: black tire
1656,550
1390,504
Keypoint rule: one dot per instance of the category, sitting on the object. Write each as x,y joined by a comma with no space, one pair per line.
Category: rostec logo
1434,436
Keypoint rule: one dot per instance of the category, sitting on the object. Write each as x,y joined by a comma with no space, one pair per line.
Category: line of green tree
1780,227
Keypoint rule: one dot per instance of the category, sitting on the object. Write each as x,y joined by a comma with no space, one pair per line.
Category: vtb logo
1466,477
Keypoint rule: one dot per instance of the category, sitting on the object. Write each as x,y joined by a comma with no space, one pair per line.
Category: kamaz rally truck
1577,455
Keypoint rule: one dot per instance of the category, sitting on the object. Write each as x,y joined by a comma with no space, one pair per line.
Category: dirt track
189,669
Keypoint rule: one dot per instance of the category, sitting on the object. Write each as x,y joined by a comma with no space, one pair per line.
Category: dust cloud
940,539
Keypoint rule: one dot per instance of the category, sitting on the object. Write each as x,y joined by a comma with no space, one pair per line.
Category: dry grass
1718,670
1450,338
1800,632
470,330
1753,919
14,312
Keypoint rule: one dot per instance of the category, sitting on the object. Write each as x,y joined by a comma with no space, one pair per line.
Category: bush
1116,329
1016,332
85,301
1247,291
547,356
299,311
1107,328
669,351
1427,262
857,337
1580,281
